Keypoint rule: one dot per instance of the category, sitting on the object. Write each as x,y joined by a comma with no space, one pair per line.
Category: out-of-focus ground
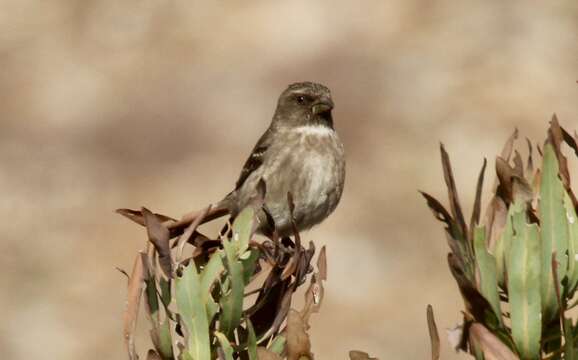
108,104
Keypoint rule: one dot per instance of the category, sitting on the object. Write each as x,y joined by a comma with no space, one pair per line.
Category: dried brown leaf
159,236
509,145
291,265
313,298
282,310
537,181
496,216
521,190
433,334
504,173
135,291
137,216
304,266
455,206
572,141
512,184
530,163
438,210
540,150
491,346
518,164
478,200
322,264
274,296
123,271
476,305
507,152
557,135
298,343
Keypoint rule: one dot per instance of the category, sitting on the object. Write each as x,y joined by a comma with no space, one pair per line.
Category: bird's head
304,103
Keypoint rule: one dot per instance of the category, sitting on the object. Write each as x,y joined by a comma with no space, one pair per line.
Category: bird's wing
255,160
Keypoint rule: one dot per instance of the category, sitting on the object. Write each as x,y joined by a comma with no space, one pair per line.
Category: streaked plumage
300,153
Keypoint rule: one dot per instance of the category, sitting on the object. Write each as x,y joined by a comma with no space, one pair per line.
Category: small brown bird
299,153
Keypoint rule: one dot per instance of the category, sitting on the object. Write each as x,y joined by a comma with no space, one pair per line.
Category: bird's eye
301,99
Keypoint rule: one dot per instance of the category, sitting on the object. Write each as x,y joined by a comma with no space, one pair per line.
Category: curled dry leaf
496,217
507,152
438,210
159,236
509,145
452,191
122,271
433,334
135,290
313,298
475,219
137,216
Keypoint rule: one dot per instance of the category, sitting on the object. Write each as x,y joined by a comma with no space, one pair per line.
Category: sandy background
109,103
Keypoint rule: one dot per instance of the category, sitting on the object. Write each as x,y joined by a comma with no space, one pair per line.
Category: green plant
227,298
517,269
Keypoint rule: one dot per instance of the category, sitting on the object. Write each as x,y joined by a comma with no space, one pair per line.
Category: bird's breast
311,166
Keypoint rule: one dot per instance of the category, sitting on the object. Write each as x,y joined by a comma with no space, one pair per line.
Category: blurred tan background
123,103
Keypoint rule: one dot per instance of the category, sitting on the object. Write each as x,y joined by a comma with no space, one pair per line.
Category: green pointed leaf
185,356
152,299
243,228
502,249
209,275
487,270
572,245
165,286
278,344
160,332
193,313
523,285
554,231
249,264
232,299
165,345
251,341
569,350
225,345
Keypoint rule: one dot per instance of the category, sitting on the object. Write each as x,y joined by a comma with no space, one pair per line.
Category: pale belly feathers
310,166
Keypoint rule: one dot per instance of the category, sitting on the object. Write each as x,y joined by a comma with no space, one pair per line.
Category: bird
300,153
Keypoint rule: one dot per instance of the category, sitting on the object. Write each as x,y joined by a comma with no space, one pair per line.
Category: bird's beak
324,105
